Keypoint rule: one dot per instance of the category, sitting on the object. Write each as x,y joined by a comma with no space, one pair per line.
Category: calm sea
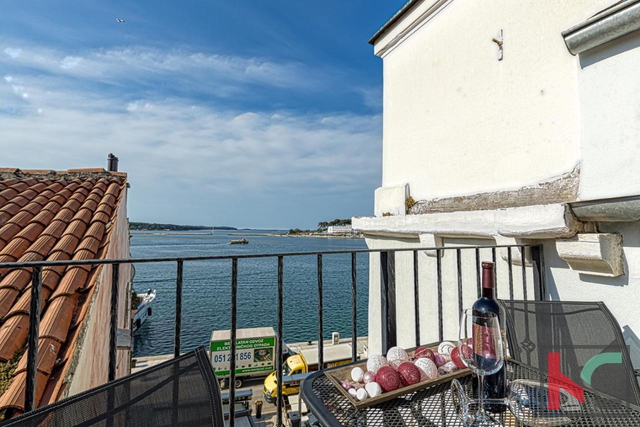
206,285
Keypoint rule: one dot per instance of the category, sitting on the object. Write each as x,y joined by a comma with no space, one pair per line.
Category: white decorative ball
447,368
428,368
376,362
357,374
396,356
362,394
369,377
353,392
445,348
373,389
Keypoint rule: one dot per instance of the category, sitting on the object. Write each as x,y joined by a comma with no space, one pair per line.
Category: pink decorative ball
388,379
423,352
440,359
427,367
369,377
445,348
376,362
447,368
409,373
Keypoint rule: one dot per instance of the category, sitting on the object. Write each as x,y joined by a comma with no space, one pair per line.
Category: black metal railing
388,285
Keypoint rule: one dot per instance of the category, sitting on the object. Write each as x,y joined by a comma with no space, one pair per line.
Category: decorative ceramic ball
361,394
447,368
369,377
376,362
357,374
373,389
423,352
427,367
455,356
440,359
353,392
388,378
445,348
397,355
346,385
409,373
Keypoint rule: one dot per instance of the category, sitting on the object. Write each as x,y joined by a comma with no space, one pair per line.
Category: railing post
416,297
34,330
510,262
354,309
388,300
459,271
178,324
232,350
478,272
539,280
320,327
113,349
524,272
280,342
440,314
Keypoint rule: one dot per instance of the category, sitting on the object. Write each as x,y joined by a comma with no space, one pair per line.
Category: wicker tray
336,376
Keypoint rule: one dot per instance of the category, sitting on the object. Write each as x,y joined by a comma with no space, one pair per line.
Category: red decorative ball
409,374
388,379
424,352
455,358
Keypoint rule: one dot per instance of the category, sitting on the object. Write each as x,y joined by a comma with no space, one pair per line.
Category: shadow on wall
632,340
610,49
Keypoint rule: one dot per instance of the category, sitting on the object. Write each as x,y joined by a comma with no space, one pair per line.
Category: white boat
141,307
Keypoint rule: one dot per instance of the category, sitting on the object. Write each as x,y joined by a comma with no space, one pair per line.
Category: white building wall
457,121
610,119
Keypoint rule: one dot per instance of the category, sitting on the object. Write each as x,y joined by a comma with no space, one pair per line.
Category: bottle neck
487,293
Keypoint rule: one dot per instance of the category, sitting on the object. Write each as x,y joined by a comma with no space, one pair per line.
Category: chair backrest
181,391
578,331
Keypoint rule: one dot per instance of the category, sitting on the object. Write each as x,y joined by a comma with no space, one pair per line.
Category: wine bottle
494,385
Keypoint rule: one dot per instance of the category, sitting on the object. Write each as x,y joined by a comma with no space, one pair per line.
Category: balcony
445,266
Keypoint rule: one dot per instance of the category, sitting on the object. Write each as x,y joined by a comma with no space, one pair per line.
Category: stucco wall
92,367
458,121
610,119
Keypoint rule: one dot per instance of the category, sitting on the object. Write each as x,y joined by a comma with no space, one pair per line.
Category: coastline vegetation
151,226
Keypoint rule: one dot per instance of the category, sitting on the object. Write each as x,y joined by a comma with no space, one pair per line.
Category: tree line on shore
322,226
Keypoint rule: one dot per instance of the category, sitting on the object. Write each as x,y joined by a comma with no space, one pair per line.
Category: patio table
433,406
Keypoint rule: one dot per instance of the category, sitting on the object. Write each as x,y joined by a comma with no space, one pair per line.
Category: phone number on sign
221,358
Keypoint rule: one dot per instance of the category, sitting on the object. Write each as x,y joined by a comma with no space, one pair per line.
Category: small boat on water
239,242
141,307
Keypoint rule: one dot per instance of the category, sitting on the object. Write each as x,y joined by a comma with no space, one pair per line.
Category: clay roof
47,215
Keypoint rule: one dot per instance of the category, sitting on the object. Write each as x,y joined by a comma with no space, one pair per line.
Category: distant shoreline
168,233
322,236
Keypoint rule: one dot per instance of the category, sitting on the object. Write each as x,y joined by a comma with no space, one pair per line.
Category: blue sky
254,113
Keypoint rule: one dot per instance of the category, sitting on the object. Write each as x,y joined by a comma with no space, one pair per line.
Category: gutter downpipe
608,25
620,209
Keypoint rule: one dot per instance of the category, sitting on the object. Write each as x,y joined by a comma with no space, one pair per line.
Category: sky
257,113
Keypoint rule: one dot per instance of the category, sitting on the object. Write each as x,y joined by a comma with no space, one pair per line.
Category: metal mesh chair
578,331
179,392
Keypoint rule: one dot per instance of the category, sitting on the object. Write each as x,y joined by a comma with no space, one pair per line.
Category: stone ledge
598,254
528,222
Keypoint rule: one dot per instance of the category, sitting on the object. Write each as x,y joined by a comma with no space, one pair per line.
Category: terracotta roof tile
13,398
55,323
67,244
48,350
55,219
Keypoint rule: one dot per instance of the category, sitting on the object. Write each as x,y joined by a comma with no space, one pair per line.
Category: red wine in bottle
495,385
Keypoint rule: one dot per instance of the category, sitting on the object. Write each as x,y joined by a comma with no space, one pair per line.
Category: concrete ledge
432,241
391,200
597,254
527,222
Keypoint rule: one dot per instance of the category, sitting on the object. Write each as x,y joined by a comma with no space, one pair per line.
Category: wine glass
480,348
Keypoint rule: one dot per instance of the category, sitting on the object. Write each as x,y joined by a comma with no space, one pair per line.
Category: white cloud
70,62
8,79
13,52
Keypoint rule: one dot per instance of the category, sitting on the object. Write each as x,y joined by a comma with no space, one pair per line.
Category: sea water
206,287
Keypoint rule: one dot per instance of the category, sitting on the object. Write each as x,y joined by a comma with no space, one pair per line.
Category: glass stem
481,393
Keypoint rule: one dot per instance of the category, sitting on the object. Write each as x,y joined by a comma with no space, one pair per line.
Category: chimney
112,163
